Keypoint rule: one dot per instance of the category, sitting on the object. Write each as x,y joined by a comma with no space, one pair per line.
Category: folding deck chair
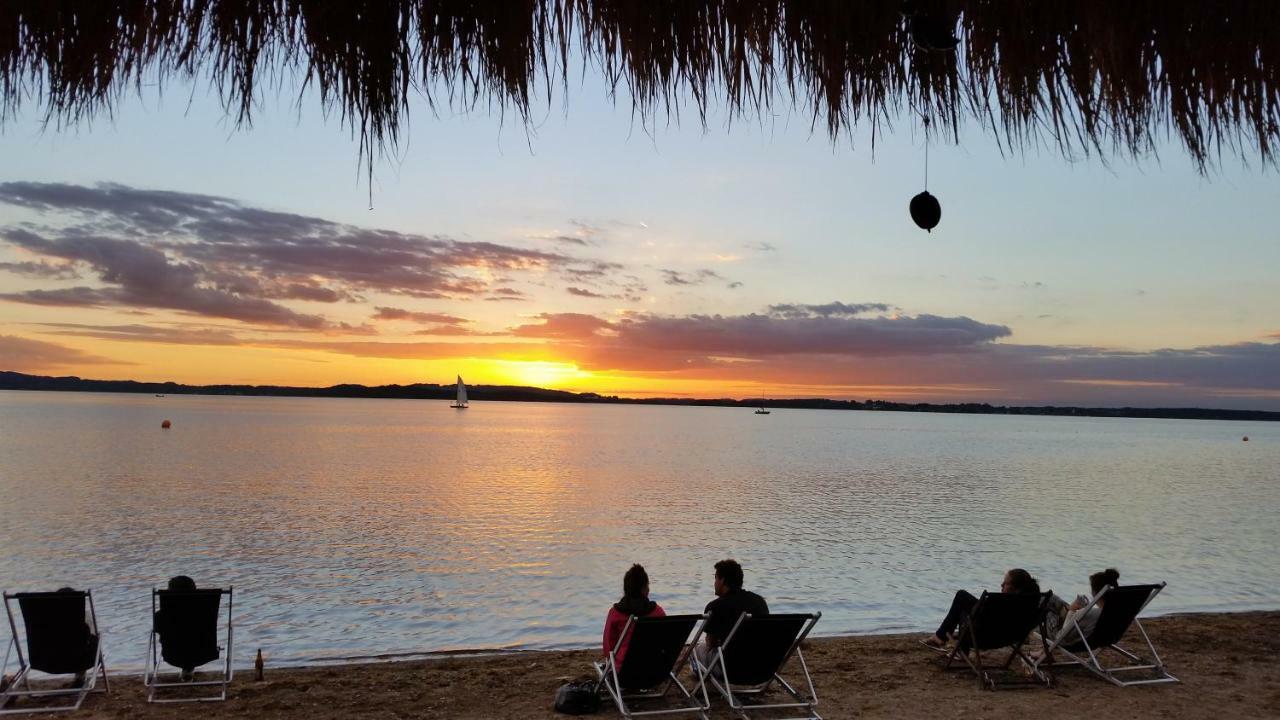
184,633
745,666
62,638
1119,612
648,670
999,621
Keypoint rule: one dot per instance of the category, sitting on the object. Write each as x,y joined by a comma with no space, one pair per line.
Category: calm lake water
364,527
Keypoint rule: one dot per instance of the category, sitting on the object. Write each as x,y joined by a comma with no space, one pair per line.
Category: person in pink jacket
635,601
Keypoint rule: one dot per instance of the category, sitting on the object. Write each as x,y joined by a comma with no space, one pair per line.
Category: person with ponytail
635,601
1017,581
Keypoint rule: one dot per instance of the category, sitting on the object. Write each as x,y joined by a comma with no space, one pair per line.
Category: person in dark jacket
167,628
731,601
725,611
87,648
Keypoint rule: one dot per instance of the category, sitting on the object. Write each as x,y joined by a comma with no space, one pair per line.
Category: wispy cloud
566,239
391,313
582,234
646,341
506,293
68,297
216,257
421,350
164,334
142,276
694,277
831,309
583,292
591,271
587,231
564,326
454,331
442,324
42,270
26,355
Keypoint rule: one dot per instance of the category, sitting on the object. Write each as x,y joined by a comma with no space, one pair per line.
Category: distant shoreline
511,393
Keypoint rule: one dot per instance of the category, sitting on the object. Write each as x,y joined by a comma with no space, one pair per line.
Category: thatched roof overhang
1097,76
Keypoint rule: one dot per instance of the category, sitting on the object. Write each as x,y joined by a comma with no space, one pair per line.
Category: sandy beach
1226,663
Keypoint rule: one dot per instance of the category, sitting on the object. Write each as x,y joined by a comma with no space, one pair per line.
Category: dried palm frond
1099,77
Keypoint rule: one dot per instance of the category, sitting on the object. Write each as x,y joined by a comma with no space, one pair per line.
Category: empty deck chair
999,621
62,638
184,634
751,659
648,669
1118,613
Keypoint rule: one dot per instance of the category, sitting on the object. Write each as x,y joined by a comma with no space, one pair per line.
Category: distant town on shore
513,393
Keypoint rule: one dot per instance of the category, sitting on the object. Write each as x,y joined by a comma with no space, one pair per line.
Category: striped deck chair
655,647
62,638
1118,613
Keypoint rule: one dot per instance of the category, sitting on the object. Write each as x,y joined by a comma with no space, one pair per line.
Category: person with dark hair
1087,619
165,626
1017,581
182,583
635,601
89,635
731,601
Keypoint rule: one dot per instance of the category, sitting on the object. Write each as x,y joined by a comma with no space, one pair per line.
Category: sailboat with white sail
461,402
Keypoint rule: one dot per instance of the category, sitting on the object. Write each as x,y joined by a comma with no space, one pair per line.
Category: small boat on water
461,402
761,411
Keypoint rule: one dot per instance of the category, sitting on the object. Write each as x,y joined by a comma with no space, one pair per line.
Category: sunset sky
592,251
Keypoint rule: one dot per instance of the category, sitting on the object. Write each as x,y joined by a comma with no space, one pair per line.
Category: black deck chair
1119,613
751,659
184,633
62,638
648,670
1000,621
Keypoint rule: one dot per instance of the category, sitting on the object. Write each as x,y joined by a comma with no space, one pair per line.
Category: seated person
89,638
731,601
173,636
1087,619
1016,580
635,601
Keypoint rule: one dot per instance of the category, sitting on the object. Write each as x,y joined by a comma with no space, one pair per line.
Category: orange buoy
165,425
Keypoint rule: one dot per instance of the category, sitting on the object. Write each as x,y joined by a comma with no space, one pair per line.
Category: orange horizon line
908,390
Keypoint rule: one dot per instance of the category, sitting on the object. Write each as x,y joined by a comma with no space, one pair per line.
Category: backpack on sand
578,698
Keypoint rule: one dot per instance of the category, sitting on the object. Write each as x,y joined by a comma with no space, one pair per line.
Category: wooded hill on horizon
514,393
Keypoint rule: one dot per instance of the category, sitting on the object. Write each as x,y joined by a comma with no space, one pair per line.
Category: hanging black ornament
926,211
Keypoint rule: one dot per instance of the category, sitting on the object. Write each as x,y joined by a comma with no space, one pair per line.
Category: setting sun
540,373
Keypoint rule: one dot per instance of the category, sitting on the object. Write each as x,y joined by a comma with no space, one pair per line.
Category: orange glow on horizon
548,368
248,365
219,354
